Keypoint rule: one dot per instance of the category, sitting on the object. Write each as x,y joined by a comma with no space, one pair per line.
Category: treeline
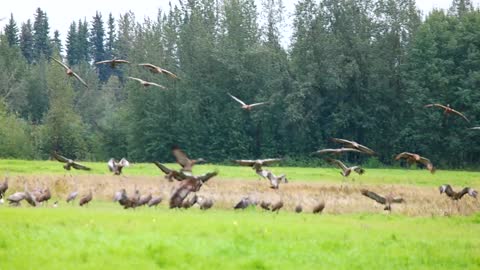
360,70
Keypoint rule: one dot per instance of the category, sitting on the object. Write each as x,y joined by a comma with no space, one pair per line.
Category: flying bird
112,62
147,84
69,163
257,164
70,72
447,110
387,200
276,180
447,189
346,171
116,167
245,106
158,70
355,145
412,158
182,159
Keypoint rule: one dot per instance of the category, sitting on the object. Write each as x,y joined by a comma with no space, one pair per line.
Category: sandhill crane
447,110
245,106
72,196
3,188
70,72
204,203
29,197
44,196
412,158
112,62
355,145
337,151
155,201
265,205
447,189
69,163
277,206
318,208
158,70
298,208
16,198
191,184
116,167
387,200
257,165
346,171
143,200
182,159
86,199
275,181
244,203
146,83
169,173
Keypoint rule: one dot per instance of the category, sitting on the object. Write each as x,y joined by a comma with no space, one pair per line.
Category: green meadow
104,236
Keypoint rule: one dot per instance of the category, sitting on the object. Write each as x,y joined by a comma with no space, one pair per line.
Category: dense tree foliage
360,70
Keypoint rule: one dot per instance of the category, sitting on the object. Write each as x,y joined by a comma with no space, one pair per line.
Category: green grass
103,236
331,175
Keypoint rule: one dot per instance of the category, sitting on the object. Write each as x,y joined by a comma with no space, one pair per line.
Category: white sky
62,13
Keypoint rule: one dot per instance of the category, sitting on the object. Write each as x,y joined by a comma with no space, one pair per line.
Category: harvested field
339,199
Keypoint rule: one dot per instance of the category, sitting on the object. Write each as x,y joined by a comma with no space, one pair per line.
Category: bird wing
80,79
337,140
60,158
79,166
246,162
104,62
237,99
460,114
157,85
365,149
111,164
136,79
339,150
475,128
148,65
61,63
256,104
124,162
205,177
373,196
437,105
403,155
427,163
337,162
268,161
358,169
181,157
170,74
162,167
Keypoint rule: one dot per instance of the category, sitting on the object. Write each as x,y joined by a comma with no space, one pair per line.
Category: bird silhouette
158,70
245,106
69,163
447,110
70,72
387,200
412,158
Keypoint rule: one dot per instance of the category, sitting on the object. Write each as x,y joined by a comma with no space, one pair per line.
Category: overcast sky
62,13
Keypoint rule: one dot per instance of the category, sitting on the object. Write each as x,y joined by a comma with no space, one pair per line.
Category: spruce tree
11,32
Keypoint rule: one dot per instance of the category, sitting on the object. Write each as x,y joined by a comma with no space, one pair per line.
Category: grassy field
328,175
429,231
106,237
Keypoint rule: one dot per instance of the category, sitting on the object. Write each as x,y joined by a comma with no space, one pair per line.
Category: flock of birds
190,184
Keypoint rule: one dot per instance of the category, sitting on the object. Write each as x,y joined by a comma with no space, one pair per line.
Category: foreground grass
332,175
103,236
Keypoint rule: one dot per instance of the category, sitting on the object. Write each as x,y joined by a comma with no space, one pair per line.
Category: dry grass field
339,198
